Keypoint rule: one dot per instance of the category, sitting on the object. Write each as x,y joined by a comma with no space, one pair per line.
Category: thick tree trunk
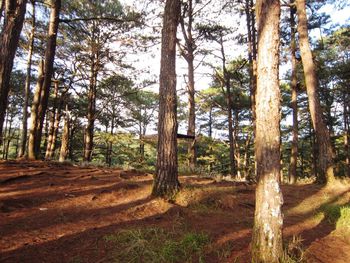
268,221
294,102
48,65
325,157
65,137
32,152
9,38
44,82
26,94
166,183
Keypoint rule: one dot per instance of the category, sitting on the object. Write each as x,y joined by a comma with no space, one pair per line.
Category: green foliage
338,215
157,245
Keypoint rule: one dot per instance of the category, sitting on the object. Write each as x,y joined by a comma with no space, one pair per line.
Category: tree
26,92
42,90
166,183
267,232
9,37
294,103
325,156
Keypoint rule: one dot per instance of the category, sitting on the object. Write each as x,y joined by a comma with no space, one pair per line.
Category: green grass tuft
157,245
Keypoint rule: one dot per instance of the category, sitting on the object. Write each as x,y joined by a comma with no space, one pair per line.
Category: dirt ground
52,212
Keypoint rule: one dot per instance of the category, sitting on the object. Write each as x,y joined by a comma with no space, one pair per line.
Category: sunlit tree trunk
9,37
294,103
166,183
268,219
44,81
24,133
34,113
252,53
325,156
52,122
65,136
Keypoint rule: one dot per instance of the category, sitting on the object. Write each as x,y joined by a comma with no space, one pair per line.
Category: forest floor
52,212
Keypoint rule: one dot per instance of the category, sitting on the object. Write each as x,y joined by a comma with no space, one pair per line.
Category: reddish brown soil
53,212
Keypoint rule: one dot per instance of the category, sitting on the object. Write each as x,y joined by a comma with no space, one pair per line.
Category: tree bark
91,112
65,137
9,39
44,81
294,102
26,94
166,183
54,113
268,220
325,156
32,153
188,54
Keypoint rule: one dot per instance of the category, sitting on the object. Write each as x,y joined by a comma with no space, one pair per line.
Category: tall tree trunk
226,82
237,152
188,54
294,102
89,132
32,153
166,183
325,157
346,131
44,81
268,220
52,119
210,122
252,53
65,136
26,94
9,38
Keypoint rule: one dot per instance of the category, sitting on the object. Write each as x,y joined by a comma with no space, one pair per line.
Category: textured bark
43,85
268,220
188,54
325,156
65,137
252,53
294,102
166,183
53,116
9,38
26,94
91,112
34,114
50,51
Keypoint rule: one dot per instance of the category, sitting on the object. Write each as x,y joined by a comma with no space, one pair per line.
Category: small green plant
157,245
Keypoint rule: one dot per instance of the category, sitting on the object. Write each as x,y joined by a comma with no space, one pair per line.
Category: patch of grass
339,215
157,245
